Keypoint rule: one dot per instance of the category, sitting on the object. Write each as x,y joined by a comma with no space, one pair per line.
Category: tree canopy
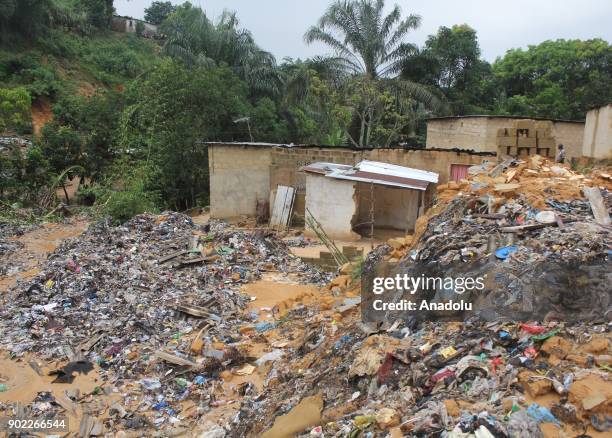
195,40
158,12
562,78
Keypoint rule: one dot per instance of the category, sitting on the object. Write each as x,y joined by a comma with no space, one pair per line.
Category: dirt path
38,244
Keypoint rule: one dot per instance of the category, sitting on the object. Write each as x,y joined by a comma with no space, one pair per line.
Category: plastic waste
541,414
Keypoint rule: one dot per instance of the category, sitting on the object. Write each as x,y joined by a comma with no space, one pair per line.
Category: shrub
128,192
15,104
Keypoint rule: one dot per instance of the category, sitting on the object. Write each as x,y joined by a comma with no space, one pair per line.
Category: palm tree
372,45
194,39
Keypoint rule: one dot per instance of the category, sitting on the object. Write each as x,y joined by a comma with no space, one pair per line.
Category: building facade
505,135
128,25
241,174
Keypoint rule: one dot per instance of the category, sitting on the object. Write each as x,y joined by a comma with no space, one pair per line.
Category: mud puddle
38,244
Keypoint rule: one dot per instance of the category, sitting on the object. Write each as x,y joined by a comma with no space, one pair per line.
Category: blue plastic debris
345,339
542,414
159,406
264,326
199,380
504,253
503,334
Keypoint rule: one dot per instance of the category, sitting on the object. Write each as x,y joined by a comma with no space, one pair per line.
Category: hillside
61,64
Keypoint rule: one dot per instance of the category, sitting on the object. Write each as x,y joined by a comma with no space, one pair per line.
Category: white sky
279,25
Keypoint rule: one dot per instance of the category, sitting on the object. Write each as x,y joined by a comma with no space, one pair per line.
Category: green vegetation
158,12
133,114
560,78
15,104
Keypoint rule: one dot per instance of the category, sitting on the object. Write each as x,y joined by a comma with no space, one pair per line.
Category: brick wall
239,177
480,133
238,173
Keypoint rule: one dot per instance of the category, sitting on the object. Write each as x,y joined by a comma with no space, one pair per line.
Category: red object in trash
495,362
441,375
385,368
533,329
530,352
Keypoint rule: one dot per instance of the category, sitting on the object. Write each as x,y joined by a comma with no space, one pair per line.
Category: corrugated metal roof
324,168
376,173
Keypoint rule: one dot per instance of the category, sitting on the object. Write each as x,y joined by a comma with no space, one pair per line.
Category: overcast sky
279,25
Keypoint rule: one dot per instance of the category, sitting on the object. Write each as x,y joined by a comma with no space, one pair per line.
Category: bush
128,192
15,106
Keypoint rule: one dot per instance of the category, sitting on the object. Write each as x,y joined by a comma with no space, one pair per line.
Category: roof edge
501,116
345,148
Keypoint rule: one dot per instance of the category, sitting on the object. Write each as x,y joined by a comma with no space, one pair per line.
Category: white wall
332,202
597,142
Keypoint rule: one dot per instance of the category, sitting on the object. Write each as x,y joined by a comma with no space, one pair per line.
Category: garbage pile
532,360
153,305
8,244
470,379
155,308
529,229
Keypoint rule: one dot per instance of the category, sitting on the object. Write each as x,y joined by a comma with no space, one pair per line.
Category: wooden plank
279,200
171,256
198,312
283,205
287,206
175,359
199,260
600,212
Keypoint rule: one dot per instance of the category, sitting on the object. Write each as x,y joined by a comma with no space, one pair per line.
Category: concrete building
128,25
597,142
243,174
506,135
349,201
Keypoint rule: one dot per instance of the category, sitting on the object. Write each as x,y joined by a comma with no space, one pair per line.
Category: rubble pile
465,379
533,238
154,309
524,364
154,304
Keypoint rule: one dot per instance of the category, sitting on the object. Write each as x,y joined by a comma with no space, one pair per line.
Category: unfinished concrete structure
354,201
128,25
241,174
507,135
597,142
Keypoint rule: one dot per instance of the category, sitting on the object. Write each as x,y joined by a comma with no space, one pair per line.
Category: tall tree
158,12
451,61
372,45
99,12
170,111
562,78
194,39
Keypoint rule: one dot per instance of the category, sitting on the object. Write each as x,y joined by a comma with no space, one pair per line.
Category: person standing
560,154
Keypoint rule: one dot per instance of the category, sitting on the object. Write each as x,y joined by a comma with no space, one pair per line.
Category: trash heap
527,228
532,360
467,379
159,315
153,305
9,246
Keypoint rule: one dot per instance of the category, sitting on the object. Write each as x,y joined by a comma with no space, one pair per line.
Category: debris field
155,327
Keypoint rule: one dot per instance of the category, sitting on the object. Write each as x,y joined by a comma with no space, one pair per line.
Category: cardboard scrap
307,413
246,370
176,360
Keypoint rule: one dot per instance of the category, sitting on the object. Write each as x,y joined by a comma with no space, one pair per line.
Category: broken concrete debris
158,309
